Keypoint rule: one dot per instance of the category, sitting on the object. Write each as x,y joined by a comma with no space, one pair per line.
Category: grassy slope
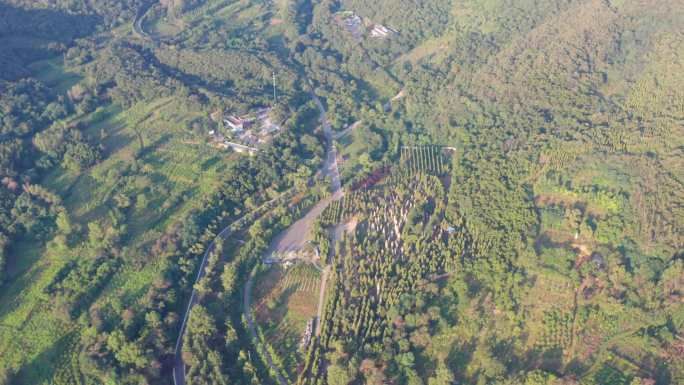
175,169
32,335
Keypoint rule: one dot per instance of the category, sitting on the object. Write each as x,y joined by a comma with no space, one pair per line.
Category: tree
63,223
96,235
126,352
201,323
539,377
228,279
443,376
6,375
337,375
412,377
80,155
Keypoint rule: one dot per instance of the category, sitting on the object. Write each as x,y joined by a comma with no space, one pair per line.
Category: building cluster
357,26
244,133
252,129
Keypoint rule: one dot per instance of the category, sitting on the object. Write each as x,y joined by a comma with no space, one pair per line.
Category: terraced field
285,300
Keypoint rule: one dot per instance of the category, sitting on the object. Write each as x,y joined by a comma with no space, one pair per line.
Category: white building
236,123
380,31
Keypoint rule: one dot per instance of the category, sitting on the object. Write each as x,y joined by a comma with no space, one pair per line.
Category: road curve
137,23
179,365
296,236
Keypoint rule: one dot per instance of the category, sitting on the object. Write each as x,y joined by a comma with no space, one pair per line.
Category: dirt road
321,300
347,130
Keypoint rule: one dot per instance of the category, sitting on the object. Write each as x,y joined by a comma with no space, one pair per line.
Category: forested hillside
566,184
111,189
513,191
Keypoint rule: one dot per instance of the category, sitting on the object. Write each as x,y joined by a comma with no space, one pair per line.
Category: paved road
179,365
330,166
137,24
296,236
299,233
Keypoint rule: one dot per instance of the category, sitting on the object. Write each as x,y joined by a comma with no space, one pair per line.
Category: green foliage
548,241
126,352
375,303
22,107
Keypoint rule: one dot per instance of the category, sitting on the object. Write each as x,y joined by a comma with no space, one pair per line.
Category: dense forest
512,209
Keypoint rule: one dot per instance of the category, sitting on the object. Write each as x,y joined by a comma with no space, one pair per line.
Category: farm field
241,16
159,187
285,301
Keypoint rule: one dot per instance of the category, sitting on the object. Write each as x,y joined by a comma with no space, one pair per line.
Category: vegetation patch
286,307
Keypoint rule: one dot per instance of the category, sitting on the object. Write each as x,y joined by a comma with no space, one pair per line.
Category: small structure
236,123
248,138
271,260
239,148
380,31
306,337
262,113
351,22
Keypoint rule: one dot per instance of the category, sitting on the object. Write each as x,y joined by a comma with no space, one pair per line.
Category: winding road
179,365
296,237
138,22
288,242
291,240
285,246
